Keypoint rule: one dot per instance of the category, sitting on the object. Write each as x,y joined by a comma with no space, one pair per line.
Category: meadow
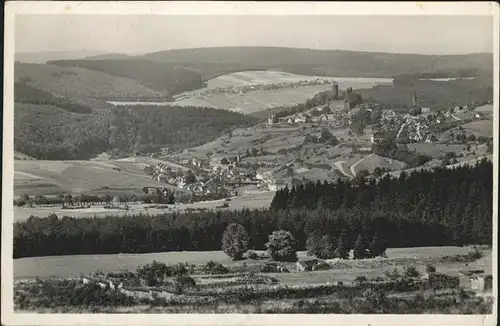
34,177
73,266
260,100
202,284
253,200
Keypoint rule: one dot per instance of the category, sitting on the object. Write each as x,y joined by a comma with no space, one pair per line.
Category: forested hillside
449,207
83,84
24,93
431,94
169,78
47,132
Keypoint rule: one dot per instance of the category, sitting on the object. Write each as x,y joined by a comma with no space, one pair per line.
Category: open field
436,150
245,78
370,162
34,177
479,128
259,100
253,200
73,266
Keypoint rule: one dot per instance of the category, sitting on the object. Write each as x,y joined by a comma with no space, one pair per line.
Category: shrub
429,268
282,246
182,282
411,271
360,279
375,296
394,274
235,241
252,254
213,267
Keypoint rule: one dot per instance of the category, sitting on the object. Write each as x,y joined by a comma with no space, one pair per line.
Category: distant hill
166,78
325,62
176,71
44,56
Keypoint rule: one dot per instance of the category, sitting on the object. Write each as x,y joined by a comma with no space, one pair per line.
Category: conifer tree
342,251
360,247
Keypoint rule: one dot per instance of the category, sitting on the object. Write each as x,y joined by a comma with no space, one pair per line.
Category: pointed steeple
414,100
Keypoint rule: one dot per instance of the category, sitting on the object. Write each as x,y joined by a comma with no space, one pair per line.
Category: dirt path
339,166
354,165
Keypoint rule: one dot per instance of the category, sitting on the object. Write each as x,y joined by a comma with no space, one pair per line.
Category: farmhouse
377,137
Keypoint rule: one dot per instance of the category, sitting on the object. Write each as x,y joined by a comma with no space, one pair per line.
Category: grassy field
35,177
370,162
227,286
260,100
245,78
253,200
436,150
479,128
73,266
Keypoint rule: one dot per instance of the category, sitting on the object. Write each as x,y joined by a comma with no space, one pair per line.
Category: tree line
427,208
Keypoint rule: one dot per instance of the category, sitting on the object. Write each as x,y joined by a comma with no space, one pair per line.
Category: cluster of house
338,118
414,126
262,87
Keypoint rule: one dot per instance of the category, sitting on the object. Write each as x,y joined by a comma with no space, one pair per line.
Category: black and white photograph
211,158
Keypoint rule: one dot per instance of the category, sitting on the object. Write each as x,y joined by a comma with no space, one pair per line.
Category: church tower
414,100
335,90
347,103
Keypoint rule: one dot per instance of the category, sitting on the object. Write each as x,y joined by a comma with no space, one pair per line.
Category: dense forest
426,208
24,93
158,76
431,94
46,132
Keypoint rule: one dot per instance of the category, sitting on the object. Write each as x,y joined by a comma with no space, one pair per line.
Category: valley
251,180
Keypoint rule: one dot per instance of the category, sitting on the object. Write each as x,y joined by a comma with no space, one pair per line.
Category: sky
151,33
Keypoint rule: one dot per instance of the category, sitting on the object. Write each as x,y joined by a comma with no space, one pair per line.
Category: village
253,87
224,174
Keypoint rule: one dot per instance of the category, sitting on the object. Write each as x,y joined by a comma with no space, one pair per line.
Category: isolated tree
282,246
224,161
170,199
235,241
360,250
145,190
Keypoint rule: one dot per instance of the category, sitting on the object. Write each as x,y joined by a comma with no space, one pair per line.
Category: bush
375,296
235,241
411,271
360,279
213,267
282,246
394,274
252,254
182,282
429,268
